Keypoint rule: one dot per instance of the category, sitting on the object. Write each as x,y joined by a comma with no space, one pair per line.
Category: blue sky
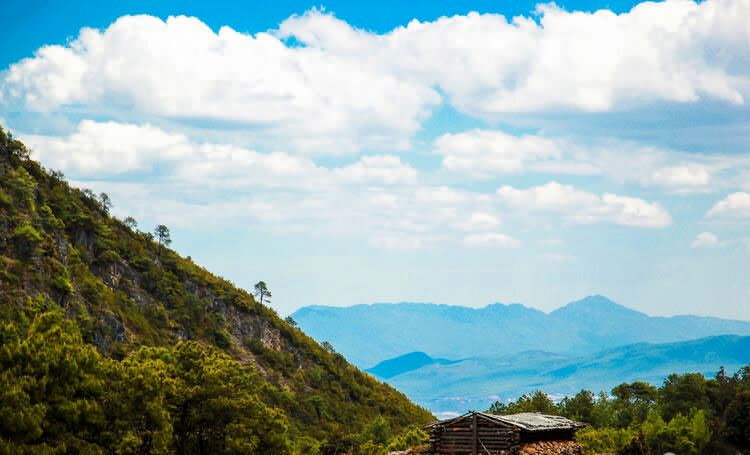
452,152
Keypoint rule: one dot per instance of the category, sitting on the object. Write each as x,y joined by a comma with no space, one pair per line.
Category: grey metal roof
534,421
528,421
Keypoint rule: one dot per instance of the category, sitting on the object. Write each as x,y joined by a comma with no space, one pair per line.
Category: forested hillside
688,414
113,343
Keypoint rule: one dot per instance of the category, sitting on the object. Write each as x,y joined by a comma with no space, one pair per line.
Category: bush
604,440
27,240
22,186
62,285
5,199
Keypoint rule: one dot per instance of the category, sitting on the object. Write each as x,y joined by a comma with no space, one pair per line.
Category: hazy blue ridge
475,383
369,334
405,363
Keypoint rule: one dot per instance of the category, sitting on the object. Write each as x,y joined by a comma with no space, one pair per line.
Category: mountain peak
596,304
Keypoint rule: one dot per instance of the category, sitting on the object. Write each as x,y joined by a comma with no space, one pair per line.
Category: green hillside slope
113,343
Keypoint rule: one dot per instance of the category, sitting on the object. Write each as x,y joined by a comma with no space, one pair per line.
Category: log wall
464,438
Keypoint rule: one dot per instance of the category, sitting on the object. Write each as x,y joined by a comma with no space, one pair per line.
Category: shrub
5,199
604,440
27,240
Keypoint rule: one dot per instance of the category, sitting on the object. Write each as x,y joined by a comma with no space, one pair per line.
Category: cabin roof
534,421
528,421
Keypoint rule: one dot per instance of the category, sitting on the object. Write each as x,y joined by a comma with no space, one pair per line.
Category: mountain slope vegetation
113,343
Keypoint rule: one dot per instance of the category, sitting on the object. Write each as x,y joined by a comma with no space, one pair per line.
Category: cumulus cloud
339,89
705,240
583,207
385,169
181,69
687,175
188,183
491,240
97,148
487,154
100,149
676,51
735,205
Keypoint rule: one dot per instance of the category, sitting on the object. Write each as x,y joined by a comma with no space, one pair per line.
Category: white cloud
181,69
485,153
735,205
488,154
583,207
189,183
676,51
346,89
98,148
491,240
385,169
705,240
480,221
673,171
441,195
687,175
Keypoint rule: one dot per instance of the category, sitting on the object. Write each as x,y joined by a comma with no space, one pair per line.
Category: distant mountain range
452,358
450,387
368,334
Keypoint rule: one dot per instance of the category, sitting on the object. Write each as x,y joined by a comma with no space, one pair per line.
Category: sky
452,152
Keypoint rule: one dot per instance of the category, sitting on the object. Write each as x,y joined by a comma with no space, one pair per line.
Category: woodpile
551,448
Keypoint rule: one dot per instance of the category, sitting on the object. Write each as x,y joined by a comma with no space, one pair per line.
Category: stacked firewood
551,448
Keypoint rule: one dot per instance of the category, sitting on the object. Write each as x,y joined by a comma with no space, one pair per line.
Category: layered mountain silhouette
475,383
451,358
368,334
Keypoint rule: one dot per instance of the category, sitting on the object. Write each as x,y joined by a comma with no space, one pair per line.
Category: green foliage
262,293
27,241
737,429
536,402
688,414
52,384
163,235
604,440
412,437
682,393
61,395
5,199
149,344
632,402
21,186
681,435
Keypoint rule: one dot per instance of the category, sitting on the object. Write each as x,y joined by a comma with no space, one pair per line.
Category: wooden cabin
477,433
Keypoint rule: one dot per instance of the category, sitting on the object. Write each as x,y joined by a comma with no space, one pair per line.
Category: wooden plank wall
466,438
